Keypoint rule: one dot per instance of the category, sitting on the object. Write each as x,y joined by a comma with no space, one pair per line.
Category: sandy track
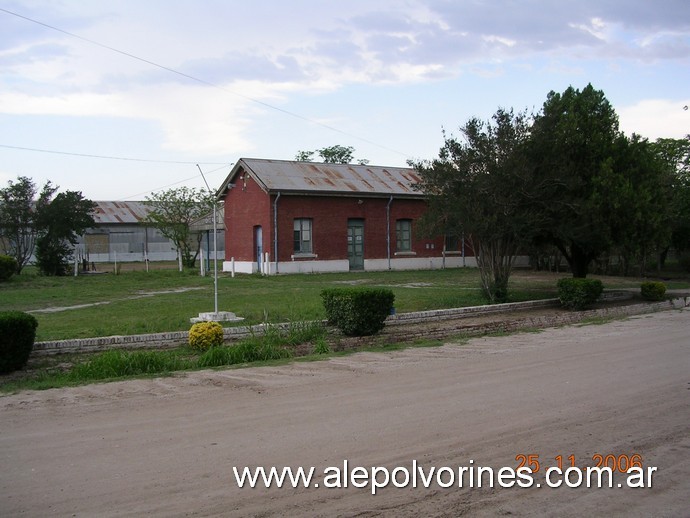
167,447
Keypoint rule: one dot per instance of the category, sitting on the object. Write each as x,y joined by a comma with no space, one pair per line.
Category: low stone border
438,330
397,326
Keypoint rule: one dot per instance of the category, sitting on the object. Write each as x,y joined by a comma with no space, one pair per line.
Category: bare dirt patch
140,295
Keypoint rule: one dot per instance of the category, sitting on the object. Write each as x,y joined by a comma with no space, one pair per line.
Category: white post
201,262
179,259
232,267
76,262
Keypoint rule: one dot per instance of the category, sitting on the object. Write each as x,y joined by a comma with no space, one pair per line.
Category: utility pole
215,246
216,316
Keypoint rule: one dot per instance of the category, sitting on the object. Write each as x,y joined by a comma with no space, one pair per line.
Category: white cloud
656,118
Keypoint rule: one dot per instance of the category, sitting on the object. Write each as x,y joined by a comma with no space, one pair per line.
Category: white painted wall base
418,263
342,265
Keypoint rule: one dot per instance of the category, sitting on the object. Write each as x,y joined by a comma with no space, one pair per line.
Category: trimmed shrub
8,267
357,311
651,290
204,335
576,293
17,335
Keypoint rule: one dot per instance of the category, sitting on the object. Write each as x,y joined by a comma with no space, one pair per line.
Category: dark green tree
60,222
337,154
633,191
573,144
483,187
676,153
174,211
18,212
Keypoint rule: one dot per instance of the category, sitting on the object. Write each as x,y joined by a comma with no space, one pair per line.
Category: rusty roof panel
131,212
313,178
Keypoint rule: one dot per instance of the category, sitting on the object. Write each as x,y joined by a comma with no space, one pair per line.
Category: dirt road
167,447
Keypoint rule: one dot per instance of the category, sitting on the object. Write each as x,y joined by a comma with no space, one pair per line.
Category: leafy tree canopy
331,155
48,225
572,145
482,187
676,153
60,222
18,213
174,211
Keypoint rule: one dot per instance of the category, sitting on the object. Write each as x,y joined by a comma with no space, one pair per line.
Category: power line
195,177
223,165
202,81
87,155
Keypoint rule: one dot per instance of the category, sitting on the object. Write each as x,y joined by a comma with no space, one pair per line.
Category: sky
121,99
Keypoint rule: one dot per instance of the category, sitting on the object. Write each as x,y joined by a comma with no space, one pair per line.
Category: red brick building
294,217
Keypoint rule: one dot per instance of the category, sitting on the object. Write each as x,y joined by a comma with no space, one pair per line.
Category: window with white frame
403,235
302,236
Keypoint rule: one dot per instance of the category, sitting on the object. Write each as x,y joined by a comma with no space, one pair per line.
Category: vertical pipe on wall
388,231
275,230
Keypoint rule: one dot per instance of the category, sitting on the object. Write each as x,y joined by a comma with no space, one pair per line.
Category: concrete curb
231,334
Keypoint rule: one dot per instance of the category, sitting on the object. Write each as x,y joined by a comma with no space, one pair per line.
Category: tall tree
174,211
572,145
676,153
18,212
633,191
60,222
482,187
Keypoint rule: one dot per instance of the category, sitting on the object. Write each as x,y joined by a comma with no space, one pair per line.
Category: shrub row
357,311
273,345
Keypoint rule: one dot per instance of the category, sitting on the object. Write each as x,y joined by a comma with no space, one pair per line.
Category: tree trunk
579,261
662,259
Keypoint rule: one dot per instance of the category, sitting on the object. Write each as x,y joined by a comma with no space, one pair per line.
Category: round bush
204,335
17,335
576,293
357,311
651,290
8,267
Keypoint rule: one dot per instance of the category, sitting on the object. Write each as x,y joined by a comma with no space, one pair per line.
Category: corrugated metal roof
109,212
312,177
206,223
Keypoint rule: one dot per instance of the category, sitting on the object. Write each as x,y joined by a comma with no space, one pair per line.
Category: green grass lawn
135,301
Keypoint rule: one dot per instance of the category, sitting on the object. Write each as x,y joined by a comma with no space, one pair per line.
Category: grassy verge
117,364
138,302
